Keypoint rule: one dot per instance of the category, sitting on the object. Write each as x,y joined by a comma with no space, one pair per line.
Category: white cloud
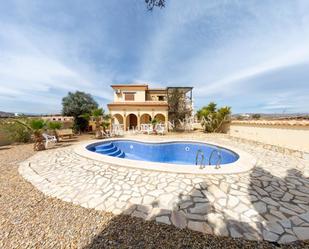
222,48
235,42
30,70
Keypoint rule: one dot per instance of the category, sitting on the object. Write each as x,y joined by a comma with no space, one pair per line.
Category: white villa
137,104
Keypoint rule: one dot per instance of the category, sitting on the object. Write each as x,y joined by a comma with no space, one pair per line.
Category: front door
133,121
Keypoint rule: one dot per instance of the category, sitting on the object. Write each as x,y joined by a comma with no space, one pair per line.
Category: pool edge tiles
244,163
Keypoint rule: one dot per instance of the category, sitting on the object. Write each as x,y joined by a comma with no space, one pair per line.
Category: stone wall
293,134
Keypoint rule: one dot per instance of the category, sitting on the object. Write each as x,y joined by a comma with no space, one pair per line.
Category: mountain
6,114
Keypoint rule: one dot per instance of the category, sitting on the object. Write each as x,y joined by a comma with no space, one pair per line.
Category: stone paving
270,202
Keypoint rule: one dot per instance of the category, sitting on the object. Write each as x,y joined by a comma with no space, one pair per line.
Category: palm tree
212,118
36,127
54,125
100,118
104,119
97,114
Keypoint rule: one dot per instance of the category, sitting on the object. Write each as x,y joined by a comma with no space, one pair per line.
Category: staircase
110,149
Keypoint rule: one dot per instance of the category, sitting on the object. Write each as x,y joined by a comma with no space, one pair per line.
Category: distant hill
271,116
6,114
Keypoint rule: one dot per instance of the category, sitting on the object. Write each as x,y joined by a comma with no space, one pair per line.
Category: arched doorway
117,119
160,118
131,121
145,118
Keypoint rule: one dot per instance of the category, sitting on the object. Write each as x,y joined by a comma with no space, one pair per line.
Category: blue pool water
167,152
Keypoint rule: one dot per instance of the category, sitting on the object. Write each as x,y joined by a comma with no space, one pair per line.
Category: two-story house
137,104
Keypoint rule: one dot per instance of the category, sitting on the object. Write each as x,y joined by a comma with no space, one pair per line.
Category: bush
16,132
256,116
212,118
54,125
76,105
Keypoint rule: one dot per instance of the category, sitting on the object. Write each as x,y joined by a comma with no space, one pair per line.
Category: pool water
165,152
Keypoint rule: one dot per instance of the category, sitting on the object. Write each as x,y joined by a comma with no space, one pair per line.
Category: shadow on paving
265,192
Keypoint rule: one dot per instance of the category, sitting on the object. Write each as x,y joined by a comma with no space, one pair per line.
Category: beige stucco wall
140,96
152,111
292,137
155,96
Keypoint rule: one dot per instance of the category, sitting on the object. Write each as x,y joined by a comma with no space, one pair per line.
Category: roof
182,88
157,89
133,103
130,86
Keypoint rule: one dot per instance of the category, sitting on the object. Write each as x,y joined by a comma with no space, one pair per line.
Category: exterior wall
154,95
295,137
58,118
140,95
147,102
139,111
67,121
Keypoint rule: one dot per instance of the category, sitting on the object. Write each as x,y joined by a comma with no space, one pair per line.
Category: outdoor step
105,146
122,154
108,150
115,153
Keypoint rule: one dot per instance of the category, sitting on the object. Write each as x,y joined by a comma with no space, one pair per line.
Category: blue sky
251,55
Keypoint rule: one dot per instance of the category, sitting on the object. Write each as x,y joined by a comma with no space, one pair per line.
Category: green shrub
16,132
212,118
256,116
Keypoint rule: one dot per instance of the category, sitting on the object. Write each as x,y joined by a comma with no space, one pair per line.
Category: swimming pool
176,152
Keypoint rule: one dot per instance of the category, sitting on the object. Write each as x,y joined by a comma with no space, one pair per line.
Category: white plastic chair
160,129
143,128
149,129
49,139
117,130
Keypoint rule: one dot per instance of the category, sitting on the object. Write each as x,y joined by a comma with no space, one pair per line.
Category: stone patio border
244,163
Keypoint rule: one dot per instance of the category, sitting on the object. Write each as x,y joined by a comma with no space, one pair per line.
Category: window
129,96
161,98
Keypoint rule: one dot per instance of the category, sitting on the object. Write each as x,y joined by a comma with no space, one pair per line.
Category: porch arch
131,121
145,118
117,119
160,117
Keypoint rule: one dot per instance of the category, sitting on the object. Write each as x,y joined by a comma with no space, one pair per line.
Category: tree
154,3
101,120
256,116
154,122
14,131
36,127
212,118
77,104
177,107
54,125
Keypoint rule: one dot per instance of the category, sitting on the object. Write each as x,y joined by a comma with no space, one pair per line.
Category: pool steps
110,149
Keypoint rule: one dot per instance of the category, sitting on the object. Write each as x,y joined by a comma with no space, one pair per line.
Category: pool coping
244,163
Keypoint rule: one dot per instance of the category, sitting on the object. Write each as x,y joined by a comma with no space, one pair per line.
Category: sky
250,55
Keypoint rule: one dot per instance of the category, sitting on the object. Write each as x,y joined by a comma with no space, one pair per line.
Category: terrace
269,202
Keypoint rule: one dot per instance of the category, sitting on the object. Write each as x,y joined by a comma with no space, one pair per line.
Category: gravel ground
28,219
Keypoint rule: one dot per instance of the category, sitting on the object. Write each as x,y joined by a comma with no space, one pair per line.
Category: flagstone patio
270,202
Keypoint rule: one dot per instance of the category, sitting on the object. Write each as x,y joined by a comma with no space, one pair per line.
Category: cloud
30,70
225,47
249,55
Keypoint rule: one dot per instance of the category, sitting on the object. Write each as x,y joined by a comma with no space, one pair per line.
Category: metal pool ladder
218,163
202,163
